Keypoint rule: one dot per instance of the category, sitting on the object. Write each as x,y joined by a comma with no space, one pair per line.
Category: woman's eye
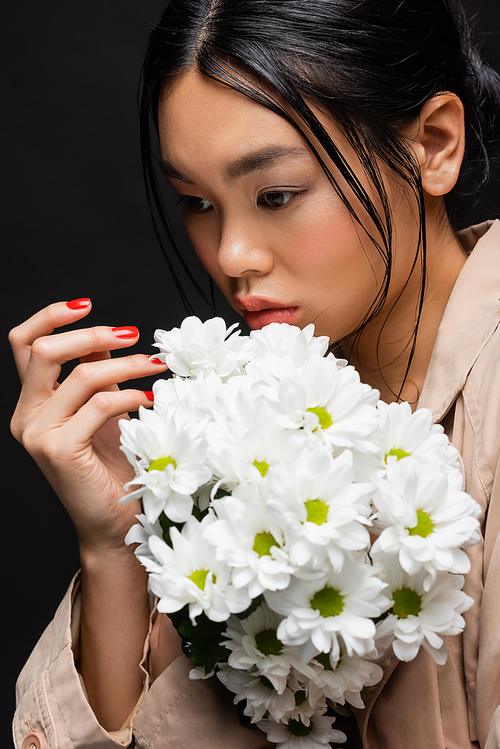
198,205
276,199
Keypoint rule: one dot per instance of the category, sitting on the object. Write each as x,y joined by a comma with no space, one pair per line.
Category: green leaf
166,524
177,617
253,607
380,618
199,514
201,642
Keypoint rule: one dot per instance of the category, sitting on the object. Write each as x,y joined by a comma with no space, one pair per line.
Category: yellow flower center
263,543
300,698
267,642
396,452
424,526
317,511
161,463
199,577
406,603
261,466
329,602
325,420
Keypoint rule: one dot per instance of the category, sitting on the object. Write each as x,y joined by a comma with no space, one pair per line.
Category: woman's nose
243,252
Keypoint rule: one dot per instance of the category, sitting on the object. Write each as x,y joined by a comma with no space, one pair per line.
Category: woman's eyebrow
169,171
254,161
262,159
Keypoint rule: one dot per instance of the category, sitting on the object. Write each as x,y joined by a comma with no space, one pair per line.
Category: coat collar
470,318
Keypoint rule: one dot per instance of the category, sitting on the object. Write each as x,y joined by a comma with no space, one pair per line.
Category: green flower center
300,698
324,659
199,577
406,603
397,453
161,463
263,543
329,602
267,642
297,728
261,466
317,511
325,420
265,682
424,526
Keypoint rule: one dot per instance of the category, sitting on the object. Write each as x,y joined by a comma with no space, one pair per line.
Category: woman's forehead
217,116
202,119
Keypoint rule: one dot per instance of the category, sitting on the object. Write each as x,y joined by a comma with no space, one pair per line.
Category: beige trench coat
417,705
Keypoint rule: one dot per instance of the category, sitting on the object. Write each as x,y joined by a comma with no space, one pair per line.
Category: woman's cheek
324,247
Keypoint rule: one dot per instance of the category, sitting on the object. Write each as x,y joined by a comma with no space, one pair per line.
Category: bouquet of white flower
294,526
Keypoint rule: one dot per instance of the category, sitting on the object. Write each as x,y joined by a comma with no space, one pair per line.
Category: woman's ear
438,140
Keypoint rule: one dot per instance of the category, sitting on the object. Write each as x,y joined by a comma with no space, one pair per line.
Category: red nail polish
149,395
125,331
155,360
78,303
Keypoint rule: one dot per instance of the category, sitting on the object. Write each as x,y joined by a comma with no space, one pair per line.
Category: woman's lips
259,311
259,318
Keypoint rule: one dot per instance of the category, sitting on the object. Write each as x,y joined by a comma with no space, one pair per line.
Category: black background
75,223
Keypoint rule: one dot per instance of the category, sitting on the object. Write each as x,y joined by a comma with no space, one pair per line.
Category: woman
324,154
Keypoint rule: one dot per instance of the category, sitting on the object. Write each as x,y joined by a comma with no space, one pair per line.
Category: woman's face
262,215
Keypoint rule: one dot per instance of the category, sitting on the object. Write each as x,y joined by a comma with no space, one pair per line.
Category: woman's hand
71,428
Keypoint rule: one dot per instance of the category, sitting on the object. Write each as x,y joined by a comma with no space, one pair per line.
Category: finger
43,323
101,408
49,353
99,356
90,378
95,356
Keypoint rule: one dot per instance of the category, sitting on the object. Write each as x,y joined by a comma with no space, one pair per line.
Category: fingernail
129,331
78,303
149,395
155,360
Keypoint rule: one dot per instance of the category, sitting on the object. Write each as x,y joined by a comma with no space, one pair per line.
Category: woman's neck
381,354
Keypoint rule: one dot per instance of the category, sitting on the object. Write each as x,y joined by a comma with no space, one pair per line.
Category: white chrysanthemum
344,681
251,542
259,419
140,533
424,522
239,456
263,374
199,674
289,341
208,346
259,693
295,735
320,508
242,402
330,401
196,399
320,611
419,617
254,643
307,702
189,573
170,464
404,434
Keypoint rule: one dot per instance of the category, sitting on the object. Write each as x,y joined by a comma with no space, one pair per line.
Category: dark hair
370,64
